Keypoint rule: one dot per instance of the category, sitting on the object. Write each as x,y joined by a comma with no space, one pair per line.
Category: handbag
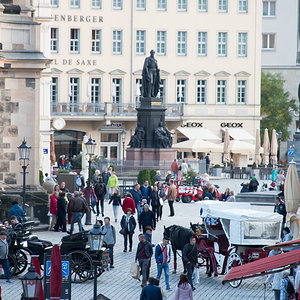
161,201
135,271
122,231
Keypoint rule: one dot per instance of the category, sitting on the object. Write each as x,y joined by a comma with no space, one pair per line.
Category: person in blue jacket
150,291
17,211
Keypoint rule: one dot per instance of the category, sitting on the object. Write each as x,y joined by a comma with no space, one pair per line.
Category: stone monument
152,141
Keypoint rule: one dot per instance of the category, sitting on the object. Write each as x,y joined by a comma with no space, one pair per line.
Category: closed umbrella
56,273
292,199
266,147
36,264
226,157
198,145
52,150
274,148
84,159
257,148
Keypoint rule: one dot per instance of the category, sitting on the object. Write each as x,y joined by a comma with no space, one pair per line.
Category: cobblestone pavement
117,283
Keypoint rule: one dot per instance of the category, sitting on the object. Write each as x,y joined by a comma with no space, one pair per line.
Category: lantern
95,238
31,283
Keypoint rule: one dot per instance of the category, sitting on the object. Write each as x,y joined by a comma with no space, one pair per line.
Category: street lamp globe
24,151
90,147
31,283
123,135
95,238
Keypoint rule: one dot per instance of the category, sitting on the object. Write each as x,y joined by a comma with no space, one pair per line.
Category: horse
179,236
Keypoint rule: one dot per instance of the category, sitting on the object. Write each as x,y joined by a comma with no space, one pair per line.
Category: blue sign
45,151
291,152
65,266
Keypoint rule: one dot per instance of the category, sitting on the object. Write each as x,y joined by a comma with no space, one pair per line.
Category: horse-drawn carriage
233,234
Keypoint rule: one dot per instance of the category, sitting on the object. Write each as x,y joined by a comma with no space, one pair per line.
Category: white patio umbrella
274,148
85,159
292,199
266,148
198,145
257,148
226,157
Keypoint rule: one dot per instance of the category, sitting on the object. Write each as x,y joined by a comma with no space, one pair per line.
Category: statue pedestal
150,157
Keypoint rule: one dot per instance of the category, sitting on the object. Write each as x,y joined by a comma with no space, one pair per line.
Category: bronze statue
138,137
151,77
163,137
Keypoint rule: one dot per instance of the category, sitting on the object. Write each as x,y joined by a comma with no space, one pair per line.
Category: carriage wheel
21,256
81,266
234,260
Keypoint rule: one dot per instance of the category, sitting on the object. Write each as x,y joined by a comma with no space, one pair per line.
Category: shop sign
232,125
114,125
77,18
193,125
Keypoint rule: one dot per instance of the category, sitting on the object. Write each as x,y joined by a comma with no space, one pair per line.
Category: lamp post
31,283
24,152
279,134
123,136
90,150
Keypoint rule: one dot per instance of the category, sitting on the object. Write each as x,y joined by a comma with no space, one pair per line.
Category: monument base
150,156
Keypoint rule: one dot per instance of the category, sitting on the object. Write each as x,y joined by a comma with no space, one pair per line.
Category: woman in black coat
162,195
154,201
61,213
128,225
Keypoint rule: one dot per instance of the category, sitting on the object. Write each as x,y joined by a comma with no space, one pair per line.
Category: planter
256,172
217,172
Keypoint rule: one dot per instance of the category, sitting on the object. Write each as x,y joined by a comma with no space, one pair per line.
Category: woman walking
61,213
115,199
154,200
93,197
183,289
128,225
53,209
112,183
162,198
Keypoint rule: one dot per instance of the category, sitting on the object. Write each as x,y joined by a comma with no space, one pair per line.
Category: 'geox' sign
232,125
192,125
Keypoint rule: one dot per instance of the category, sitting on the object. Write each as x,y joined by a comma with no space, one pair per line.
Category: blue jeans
5,266
138,209
78,216
175,174
160,267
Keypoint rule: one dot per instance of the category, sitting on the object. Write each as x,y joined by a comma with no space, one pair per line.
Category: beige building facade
209,55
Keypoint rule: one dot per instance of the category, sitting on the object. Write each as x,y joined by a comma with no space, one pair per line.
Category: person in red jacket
128,203
93,197
53,209
175,168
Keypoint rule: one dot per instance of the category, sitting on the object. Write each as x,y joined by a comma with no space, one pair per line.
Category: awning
241,147
264,266
197,145
198,133
239,134
289,244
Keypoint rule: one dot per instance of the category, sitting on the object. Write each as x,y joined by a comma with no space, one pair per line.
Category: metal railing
123,109
174,110
78,109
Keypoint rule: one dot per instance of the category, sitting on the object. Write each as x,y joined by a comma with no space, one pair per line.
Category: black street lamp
279,134
90,146
24,152
31,283
123,136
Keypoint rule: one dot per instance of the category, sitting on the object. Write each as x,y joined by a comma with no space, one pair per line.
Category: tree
275,104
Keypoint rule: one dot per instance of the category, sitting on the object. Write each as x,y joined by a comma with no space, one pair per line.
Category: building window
241,91
268,41
182,5
117,42
97,4
117,90
140,4
96,41
54,3
162,4
162,90
222,44
223,6
221,91
74,90
181,90
117,4
201,91
161,42
202,43
140,41
95,90
269,8
138,90
75,3
74,41
181,43
243,6
202,5
242,44
54,90
54,40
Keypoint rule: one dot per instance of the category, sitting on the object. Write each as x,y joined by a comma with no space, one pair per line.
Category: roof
235,211
264,266
289,244
23,55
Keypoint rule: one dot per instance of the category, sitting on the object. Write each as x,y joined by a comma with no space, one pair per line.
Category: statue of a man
138,137
161,136
151,76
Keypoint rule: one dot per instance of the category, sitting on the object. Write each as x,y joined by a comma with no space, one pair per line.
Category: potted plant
217,170
255,171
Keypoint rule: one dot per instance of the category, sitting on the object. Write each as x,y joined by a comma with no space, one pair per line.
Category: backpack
99,189
78,181
290,288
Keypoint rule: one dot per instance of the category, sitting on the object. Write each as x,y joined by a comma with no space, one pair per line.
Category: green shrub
77,162
217,166
143,175
41,178
63,171
112,166
152,176
189,176
254,166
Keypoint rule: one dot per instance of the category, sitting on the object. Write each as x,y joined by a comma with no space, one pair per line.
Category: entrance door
109,148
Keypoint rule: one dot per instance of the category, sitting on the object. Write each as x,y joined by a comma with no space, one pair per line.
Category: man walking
147,222
146,191
207,162
175,168
100,191
4,255
163,257
137,197
190,258
77,207
105,176
143,255
151,291
109,239
172,194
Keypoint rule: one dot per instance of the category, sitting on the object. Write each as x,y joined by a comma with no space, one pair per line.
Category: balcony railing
174,110
78,109
126,109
